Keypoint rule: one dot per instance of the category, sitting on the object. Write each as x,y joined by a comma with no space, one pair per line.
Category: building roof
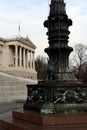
24,40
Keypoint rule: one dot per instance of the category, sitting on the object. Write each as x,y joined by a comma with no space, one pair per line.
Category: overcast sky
31,15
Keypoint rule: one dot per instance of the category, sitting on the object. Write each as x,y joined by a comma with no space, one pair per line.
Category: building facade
17,56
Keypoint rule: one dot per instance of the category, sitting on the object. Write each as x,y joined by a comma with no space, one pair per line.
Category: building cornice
23,40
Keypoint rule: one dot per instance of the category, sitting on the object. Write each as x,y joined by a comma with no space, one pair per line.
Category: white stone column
16,55
20,56
23,57
33,60
27,60
30,60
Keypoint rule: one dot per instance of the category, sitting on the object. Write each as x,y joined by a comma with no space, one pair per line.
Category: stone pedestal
45,110
53,98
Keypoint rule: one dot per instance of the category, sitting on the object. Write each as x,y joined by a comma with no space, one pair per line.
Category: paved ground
7,108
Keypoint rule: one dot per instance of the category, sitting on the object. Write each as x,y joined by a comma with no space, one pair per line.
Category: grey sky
31,15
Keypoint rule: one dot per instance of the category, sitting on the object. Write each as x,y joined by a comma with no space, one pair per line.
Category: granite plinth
50,120
29,120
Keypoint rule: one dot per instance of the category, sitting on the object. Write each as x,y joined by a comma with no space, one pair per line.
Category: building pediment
26,41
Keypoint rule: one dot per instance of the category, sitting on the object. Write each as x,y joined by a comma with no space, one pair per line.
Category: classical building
17,57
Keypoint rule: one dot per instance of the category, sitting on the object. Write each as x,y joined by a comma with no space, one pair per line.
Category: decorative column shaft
58,50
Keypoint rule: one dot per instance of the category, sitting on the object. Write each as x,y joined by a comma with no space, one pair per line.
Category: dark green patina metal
61,92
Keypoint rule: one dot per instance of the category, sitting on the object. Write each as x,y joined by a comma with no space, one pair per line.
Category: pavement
7,108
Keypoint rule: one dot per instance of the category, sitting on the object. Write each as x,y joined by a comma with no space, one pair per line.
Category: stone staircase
13,87
25,74
20,72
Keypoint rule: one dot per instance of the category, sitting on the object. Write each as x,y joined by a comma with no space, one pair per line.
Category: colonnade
24,57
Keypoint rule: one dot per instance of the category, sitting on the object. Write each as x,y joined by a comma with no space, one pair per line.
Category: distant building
17,57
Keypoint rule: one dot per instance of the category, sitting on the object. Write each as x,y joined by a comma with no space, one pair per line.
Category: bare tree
41,67
78,58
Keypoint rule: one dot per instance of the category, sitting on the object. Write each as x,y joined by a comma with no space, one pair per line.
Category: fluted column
33,60
30,60
23,57
20,56
16,55
27,59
